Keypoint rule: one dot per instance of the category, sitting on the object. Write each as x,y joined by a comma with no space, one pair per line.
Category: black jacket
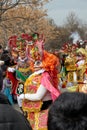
11,119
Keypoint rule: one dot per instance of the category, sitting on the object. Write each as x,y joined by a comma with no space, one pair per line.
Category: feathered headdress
49,61
34,48
12,42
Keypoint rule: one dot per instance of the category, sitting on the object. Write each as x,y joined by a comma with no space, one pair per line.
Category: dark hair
5,57
68,112
1,47
1,79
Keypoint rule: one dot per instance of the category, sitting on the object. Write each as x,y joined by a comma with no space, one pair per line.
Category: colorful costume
82,69
75,64
22,70
40,89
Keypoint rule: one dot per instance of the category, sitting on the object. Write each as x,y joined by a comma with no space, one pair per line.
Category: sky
59,10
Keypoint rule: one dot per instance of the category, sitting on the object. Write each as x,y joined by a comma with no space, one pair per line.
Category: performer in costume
21,70
40,89
82,68
68,66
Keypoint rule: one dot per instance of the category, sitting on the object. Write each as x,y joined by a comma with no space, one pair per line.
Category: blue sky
60,9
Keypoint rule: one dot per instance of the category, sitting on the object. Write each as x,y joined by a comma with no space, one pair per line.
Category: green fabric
63,72
19,75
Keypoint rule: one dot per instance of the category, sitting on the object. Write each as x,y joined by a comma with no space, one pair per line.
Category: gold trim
24,69
36,120
42,129
32,109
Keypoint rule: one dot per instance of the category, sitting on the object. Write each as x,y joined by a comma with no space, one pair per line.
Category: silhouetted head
68,112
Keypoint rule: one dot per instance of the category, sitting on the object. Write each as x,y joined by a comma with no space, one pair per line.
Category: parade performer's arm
35,97
44,87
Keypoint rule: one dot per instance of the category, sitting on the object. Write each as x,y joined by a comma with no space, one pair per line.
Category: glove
21,96
11,69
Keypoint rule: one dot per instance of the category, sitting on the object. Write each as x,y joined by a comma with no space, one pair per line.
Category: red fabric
86,71
14,81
